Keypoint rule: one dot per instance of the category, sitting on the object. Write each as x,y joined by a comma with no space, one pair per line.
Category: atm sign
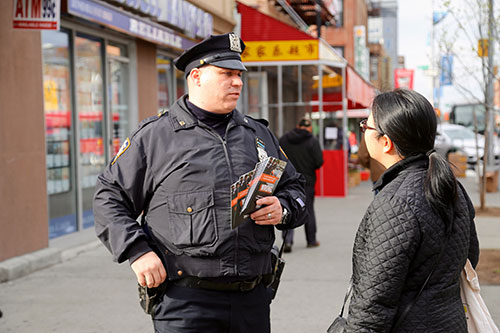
36,14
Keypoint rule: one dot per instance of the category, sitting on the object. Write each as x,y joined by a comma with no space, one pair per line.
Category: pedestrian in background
421,221
177,169
304,151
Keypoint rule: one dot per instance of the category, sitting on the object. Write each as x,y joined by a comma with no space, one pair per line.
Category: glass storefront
164,66
171,83
87,118
180,84
90,109
118,74
59,133
292,85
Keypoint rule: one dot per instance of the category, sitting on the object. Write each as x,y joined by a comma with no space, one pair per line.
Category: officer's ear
196,76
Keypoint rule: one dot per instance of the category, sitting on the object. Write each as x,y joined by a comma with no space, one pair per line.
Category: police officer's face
220,87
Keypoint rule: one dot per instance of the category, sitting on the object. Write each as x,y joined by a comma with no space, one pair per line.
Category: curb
23,265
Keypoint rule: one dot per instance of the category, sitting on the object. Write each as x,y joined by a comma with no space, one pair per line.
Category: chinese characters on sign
281,50
36,14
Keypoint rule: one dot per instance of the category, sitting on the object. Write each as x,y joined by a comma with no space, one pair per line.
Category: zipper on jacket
230,167
236,239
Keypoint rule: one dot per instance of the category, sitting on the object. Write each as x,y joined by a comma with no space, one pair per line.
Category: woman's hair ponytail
440,186
410,121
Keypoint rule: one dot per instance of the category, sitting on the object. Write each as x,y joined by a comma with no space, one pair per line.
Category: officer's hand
149,270
270,213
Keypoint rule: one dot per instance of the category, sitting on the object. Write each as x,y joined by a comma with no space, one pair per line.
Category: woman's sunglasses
363,126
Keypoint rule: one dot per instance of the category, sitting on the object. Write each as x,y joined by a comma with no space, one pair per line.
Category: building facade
69,98
342,35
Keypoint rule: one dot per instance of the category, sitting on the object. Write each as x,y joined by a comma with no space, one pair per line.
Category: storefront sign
128,23
281,50
329,81
178,13
186,16
146,7
36,14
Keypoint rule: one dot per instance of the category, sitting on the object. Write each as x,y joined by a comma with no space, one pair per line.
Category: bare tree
468,23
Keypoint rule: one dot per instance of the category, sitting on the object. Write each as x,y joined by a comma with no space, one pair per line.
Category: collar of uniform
240,119
181,117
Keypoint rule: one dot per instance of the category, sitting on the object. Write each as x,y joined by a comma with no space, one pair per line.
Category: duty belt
195,282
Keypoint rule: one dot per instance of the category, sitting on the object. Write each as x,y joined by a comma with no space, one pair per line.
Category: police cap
219,50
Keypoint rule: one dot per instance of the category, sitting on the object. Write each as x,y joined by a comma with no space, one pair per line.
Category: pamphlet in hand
252,186
243,185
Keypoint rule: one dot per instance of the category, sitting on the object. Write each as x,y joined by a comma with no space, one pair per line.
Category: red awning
359,92
256,26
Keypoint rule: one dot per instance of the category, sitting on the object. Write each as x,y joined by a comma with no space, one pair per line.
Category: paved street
89,293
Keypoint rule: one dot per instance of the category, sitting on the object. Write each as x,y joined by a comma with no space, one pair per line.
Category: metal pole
299,82
434,73
280,101
344,125
490,157
320,122
320,106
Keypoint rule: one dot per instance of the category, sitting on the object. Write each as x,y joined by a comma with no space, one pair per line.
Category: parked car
452,138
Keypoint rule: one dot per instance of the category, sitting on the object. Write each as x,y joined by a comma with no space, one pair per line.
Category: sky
414,36
414,26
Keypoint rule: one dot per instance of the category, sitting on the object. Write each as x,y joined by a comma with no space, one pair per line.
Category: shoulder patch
123,148
260,120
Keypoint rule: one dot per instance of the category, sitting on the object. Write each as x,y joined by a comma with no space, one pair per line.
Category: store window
61,187
87,115
164,66
339,17
258,105
339,50
118,87
90,110
180,82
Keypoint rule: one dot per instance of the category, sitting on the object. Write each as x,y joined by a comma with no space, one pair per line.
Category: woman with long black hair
417,233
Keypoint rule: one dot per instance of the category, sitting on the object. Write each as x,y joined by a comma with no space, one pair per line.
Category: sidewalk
87,292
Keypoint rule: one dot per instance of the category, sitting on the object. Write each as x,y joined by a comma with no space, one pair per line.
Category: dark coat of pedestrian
304,151
421,219
177,169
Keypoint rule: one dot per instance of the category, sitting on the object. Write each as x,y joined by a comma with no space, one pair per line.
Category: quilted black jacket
396,246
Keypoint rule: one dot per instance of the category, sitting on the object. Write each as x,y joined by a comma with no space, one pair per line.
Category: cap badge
234,43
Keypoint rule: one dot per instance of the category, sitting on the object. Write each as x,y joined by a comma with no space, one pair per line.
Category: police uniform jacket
396,247
179,172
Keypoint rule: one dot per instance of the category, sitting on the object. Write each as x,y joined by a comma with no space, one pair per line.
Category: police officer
176,169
